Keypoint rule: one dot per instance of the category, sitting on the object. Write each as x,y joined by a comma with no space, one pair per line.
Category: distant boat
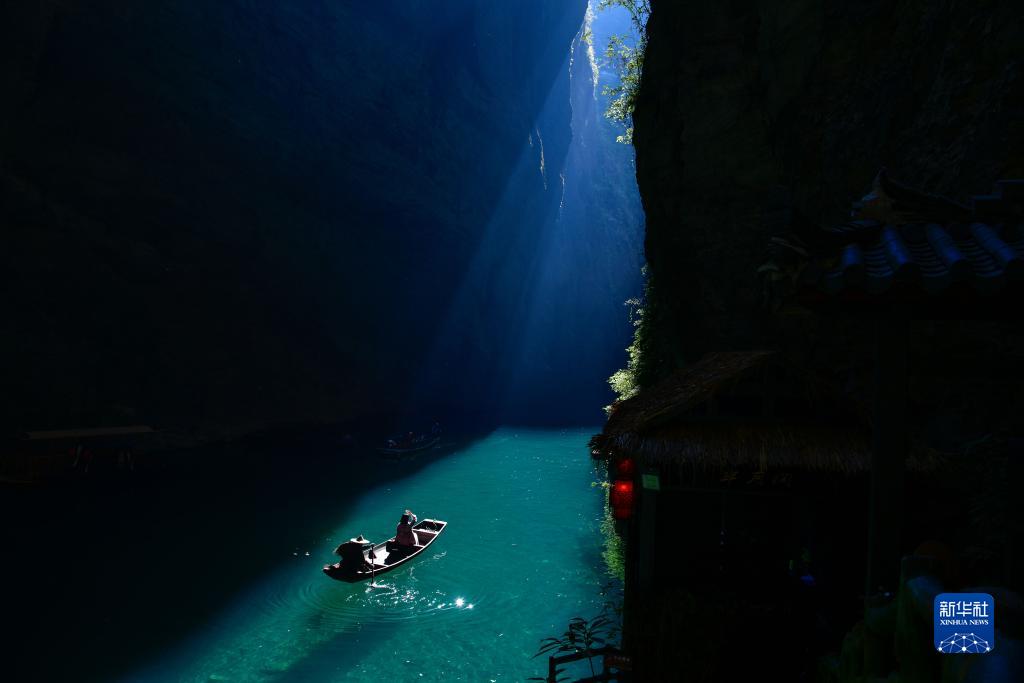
388,555
414,446
406,444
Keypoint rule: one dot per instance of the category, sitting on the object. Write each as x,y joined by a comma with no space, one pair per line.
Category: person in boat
405,537
351,552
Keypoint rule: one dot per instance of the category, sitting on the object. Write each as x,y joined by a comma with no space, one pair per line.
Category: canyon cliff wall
752,110
249,211
757,117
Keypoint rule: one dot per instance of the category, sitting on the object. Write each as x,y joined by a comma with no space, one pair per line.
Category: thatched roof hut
739,410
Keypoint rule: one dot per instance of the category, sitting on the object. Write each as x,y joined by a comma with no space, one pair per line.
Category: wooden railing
614,665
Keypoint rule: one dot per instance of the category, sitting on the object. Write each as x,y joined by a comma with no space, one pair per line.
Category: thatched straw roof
682,392
664,424
727,445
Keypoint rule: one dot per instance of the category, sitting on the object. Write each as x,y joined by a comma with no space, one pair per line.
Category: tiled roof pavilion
904,245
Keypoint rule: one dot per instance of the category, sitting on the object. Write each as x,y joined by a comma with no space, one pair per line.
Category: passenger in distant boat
405,537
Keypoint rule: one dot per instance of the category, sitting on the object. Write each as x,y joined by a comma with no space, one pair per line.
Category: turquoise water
521,555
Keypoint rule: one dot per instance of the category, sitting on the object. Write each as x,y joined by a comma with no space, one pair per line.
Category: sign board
964,623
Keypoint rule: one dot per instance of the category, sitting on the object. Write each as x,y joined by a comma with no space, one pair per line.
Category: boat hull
398,452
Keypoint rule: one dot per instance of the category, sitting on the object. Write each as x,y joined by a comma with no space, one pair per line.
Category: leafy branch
626,54
583,636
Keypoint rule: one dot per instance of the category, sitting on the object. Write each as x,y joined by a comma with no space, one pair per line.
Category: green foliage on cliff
626,54
653,353
640,370
657,337
614,553
623,382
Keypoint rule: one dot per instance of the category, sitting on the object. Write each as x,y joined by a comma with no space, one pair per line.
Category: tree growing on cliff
623,382
626,53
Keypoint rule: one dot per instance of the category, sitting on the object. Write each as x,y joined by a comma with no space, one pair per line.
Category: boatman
352,553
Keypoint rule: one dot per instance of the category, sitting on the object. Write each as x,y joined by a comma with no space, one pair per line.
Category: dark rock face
244,211
747,108
752,112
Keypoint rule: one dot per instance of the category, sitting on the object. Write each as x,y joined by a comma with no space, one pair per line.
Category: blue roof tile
906,252
987,252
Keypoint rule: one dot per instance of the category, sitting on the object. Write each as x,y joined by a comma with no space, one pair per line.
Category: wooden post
630,603
888,455
885,500
640,545
647,518
1015,475
630,617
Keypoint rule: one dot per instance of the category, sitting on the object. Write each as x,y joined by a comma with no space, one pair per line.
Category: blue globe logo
964,643
964,623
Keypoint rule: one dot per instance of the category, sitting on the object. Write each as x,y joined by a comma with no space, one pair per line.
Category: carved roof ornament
894,203
903,245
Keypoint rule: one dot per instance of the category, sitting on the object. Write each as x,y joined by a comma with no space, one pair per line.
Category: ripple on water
394,597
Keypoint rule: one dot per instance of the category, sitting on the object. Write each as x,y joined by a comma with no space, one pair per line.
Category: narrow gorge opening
259,248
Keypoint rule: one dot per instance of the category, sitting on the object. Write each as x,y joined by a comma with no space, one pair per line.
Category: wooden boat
414,448
388,554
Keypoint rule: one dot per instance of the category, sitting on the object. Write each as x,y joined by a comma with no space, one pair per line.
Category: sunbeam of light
566,318
544,297
492,291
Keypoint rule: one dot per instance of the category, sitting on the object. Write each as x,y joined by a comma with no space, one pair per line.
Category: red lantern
625,468
621,498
